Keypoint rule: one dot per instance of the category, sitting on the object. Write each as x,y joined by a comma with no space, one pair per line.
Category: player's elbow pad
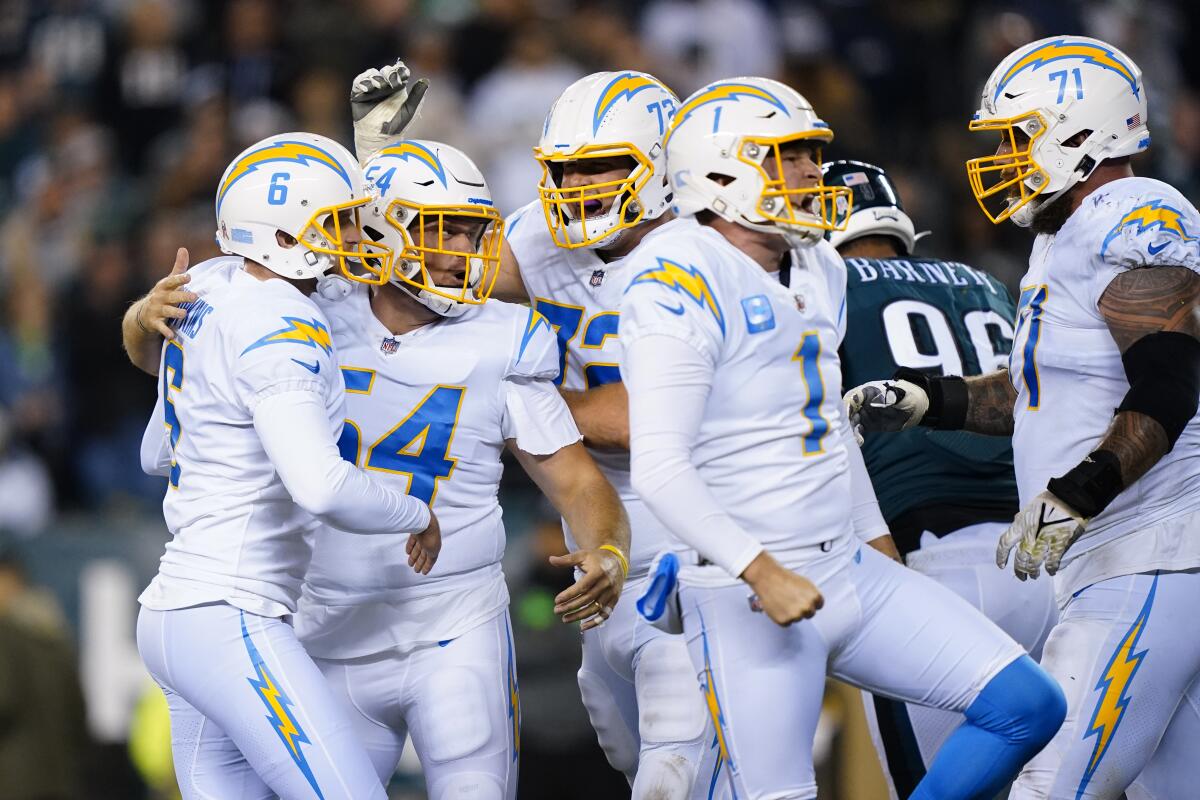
1164,380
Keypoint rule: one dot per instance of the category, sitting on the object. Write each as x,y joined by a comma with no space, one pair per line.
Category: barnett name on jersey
1069,377
944,318
580,294
237,534
429,413
770,447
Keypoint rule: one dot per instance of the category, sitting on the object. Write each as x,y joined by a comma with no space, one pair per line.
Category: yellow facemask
820,207
1000,183
425,235
566,205
372,260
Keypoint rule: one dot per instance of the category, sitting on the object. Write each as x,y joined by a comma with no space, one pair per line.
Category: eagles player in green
946,495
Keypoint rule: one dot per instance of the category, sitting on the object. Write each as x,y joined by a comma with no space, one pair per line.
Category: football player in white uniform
603,191
1100,398
438,383
739,446
252,402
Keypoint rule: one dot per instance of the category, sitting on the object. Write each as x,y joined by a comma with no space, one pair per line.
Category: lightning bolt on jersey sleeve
676,300
669,377
535,414
1152,225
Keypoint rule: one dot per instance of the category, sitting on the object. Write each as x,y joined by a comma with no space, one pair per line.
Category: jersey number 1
417,446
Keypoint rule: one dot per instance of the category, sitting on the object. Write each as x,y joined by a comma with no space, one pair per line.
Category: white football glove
383,103
891,405
1041,532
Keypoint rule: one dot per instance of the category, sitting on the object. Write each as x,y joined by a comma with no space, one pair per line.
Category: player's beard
1053,215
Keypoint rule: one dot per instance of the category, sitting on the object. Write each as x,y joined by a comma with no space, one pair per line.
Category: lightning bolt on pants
1126,652
252,717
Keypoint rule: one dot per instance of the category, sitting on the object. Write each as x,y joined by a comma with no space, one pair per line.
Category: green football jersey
944,318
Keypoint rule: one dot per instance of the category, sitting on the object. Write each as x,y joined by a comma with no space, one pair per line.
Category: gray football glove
383,103
890,405
1041,532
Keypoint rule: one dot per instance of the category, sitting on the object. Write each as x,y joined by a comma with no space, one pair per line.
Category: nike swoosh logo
1156,250
314,368
673,309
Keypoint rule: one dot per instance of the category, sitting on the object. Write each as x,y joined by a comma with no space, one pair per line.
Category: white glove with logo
1041,532
888,406
383,103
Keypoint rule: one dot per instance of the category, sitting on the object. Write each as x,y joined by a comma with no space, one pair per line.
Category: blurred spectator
507,108
442,113
43,725
700,41
26,495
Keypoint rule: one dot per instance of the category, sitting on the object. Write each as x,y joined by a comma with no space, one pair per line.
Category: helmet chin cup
334,288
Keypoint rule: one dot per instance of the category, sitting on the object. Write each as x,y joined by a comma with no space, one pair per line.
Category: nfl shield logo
597,278
389,345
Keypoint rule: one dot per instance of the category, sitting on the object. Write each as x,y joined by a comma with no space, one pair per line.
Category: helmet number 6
277,193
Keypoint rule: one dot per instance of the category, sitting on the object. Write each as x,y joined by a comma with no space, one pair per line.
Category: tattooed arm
1137,303
990,401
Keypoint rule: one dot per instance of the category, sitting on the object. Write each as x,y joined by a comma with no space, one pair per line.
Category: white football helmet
716,148
605,115
877,210
301,184
419,186
1040,97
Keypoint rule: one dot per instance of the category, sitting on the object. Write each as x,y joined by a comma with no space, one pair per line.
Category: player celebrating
739,446
252,402
946,496
603,191
438,383
1100,397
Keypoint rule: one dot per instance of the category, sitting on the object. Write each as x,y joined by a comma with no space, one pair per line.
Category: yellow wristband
616,551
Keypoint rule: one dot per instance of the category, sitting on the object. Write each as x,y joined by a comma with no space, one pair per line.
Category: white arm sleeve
668,382
536,416
156,453
292,428
865,514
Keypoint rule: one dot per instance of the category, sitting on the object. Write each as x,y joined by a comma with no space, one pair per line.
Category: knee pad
1022,703
664,775
617,740
468,786
670,706
458,721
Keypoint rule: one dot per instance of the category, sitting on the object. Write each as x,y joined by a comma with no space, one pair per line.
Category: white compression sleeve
292,427
865,514
668,382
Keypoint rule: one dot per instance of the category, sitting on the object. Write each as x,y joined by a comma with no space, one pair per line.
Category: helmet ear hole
1077,139
375,234
720,178
285,239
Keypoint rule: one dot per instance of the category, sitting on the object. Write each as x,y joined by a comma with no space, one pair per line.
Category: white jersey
238,536
580,295
1069,378
770,447
428,412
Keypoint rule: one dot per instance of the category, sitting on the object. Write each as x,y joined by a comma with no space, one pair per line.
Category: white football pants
1126,652
644,701
251,715
458,702
906,737
883,627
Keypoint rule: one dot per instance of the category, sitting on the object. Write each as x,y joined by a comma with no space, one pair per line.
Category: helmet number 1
277,193
1061,76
